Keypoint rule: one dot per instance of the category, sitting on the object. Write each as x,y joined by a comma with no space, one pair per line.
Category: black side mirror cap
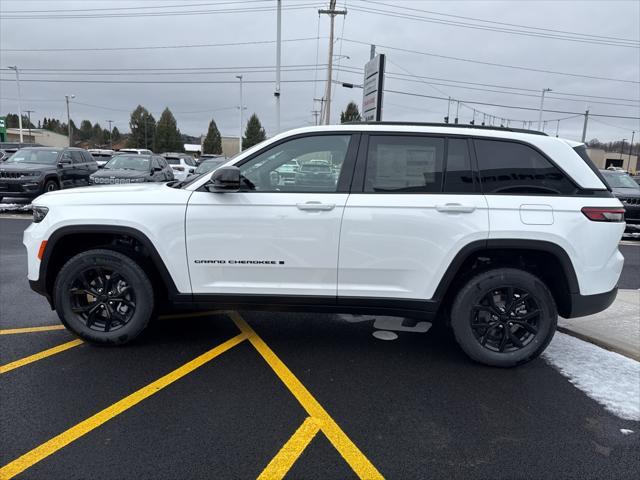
225,179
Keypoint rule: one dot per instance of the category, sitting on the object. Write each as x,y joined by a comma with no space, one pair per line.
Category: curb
629,353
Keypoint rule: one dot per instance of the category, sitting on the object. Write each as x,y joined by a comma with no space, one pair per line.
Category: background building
603,159
46,138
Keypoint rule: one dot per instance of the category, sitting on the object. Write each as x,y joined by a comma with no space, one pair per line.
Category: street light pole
15,67
633,135
278,58
332,12
239,77
544,90
69,119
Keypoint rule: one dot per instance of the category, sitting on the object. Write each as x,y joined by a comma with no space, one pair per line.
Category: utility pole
110,135
372,52
557,128
278,58
29,112
70,133
633,135
446,119
239,77
584,127
15,67
332,12
457,110
315,114
544,90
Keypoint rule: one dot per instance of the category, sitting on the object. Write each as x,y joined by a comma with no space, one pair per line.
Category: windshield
208,166
620,180
128,162
28,155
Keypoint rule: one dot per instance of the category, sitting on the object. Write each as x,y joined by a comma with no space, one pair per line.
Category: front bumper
22,188
583,305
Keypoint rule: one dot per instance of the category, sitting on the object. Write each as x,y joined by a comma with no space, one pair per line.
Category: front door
418,205
279,234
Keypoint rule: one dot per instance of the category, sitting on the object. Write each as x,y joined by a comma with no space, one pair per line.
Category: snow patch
607,377
14,207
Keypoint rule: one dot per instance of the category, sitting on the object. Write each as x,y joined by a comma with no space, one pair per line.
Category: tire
494,322
103,297
50,186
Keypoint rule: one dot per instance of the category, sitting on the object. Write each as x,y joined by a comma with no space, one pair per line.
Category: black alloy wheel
505,319
102,298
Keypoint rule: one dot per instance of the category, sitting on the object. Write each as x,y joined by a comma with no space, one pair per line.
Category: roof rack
452,125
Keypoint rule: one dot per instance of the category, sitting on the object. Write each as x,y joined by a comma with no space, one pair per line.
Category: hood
119,173
25,167
128,195
626,192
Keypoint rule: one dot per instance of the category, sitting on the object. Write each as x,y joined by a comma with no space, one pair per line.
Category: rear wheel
104,297
504,317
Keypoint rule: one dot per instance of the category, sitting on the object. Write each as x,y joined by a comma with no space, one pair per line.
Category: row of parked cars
31,171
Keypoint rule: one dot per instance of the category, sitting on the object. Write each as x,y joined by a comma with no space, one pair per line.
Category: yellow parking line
39,356
12,331
65,438
290,451
341,442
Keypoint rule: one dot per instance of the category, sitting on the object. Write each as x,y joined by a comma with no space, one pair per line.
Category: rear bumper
583,305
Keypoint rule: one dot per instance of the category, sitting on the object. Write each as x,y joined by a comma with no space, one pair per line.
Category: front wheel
50,186
504,317
104,297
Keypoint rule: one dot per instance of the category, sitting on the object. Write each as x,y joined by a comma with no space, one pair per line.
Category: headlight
39,213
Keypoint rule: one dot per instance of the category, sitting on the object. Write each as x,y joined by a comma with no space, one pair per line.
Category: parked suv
133,168
32,171
493,231
627,191
182,164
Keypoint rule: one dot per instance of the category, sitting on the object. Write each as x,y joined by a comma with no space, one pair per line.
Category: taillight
604,214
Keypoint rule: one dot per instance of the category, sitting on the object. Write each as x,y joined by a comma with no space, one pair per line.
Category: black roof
451,125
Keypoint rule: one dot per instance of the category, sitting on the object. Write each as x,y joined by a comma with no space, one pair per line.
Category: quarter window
514,168
306,164
404,164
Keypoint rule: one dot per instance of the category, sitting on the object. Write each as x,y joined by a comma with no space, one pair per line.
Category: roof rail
451,125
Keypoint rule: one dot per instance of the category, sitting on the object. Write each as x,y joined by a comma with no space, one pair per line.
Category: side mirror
225,179
156,169
64,161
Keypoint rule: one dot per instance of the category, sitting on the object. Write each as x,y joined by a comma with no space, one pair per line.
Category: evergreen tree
39,124
115,134
143,127
168,138
86,130
254,133
97,136
213,140
350,114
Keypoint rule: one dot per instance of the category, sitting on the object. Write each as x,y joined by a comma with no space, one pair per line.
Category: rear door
415,203
67,170
272,237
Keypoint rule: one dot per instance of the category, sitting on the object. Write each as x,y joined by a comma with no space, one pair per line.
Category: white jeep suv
493,231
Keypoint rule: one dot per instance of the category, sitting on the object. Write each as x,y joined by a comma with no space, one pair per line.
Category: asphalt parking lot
248,394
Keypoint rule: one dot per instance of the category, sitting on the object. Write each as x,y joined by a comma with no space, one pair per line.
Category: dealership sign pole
373,87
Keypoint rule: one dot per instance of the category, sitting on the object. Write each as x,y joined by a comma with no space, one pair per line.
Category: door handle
316,206
455,208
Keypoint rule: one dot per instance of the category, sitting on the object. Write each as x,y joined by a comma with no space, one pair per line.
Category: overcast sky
392,24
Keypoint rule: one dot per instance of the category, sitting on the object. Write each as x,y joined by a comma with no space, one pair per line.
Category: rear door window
76,156
458,177
518,169
404,164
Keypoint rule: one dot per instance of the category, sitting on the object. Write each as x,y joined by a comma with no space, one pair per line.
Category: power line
510,106
153,47
394,14
174,13
152,81
502,65
549,30
134,8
